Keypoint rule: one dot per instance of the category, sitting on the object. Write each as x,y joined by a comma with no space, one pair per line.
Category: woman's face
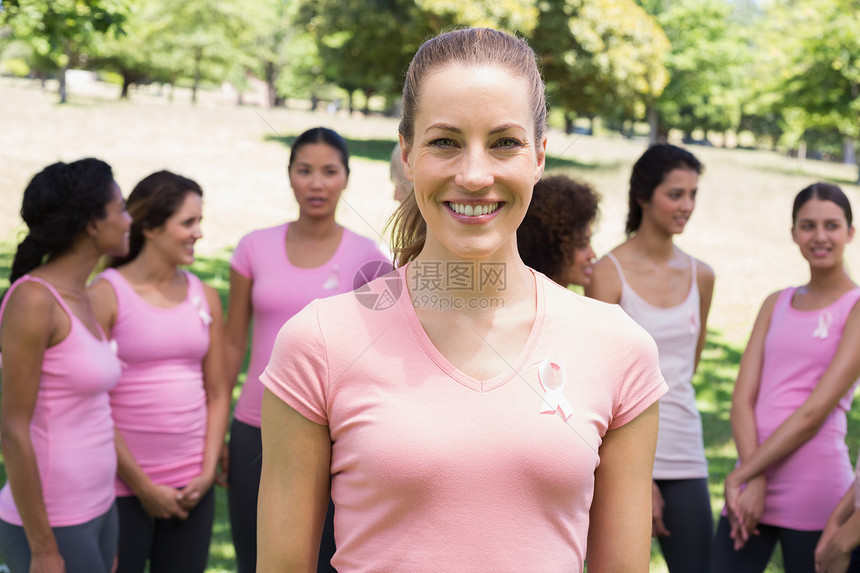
111,232
578,271
318,177
673,201
175,239
821,231
474,160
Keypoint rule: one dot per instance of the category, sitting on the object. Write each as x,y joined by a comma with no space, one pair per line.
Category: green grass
713,382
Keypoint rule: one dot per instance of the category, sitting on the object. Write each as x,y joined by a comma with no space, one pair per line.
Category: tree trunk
569,119
801,151
198,56
62,89
126,83
849,151
351,108
653,124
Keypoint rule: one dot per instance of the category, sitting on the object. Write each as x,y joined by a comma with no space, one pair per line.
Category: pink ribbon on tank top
824,321
551,376
201,312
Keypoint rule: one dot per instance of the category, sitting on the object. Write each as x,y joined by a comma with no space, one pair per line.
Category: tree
601,55
64,31
708,56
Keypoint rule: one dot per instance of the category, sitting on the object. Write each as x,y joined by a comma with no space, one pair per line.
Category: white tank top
680,447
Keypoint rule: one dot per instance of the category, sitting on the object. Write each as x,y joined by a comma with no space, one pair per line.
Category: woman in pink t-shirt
468,413
794,388
172,401
275,273
57,509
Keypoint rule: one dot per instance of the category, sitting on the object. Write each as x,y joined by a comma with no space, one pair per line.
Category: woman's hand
47,563
745,514
829,558
191,494
162,502
658,528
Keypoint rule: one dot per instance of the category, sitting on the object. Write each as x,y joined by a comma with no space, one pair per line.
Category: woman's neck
313,229
833,279
149,267
655,246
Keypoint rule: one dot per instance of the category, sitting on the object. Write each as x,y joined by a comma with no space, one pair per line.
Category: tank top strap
72,316
615,262
694,281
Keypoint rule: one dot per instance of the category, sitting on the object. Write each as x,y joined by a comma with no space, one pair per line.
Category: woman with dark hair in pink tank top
668,292
57,509
171,403
793,391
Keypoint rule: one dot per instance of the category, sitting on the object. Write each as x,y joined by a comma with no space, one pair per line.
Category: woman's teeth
473,210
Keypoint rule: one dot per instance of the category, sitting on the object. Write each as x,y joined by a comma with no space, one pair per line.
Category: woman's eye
509,143
442,142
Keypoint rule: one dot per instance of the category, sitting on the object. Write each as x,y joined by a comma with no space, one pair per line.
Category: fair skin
461,158
33,322
155,277
659,271
318,178
839,538
821,232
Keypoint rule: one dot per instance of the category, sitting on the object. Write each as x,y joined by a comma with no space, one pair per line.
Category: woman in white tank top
668,293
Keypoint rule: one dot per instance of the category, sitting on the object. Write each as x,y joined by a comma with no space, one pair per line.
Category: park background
764,93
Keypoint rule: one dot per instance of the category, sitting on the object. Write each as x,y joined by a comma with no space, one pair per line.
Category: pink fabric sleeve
297,372
641,382
241,260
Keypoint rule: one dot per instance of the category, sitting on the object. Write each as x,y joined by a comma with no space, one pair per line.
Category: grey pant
86,548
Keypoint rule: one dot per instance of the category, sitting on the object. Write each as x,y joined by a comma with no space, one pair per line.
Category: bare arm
295,475
605,282
29,326
239,309
705,278
217,404
103,299
745,509
619,534
841,535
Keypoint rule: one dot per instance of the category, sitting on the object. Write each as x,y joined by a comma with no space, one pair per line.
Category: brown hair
151,203
468,47
824,192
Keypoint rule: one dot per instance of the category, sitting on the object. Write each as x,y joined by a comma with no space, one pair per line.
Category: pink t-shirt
804,488
72,429
434,469
159,405
280,290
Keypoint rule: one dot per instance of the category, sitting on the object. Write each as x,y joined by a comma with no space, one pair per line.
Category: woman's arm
295,475
159,501
620,520
217,405
841,535
705,279
28,328
605,283
745,509
103,300
239,309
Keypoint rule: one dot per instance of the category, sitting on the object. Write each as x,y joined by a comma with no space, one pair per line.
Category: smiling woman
483,420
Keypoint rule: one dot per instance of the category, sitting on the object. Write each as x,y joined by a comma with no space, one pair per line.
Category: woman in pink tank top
794,387
172,401
668,292
57,508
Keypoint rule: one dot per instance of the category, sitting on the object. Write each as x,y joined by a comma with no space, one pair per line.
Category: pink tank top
159,405
72,429
680,446
804,488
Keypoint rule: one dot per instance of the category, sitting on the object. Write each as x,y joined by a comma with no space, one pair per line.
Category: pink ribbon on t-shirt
551,376
824,321
201,312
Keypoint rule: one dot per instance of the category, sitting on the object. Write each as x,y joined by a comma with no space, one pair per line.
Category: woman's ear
405,158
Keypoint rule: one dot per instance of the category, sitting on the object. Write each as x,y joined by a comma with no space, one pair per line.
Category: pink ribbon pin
551,376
